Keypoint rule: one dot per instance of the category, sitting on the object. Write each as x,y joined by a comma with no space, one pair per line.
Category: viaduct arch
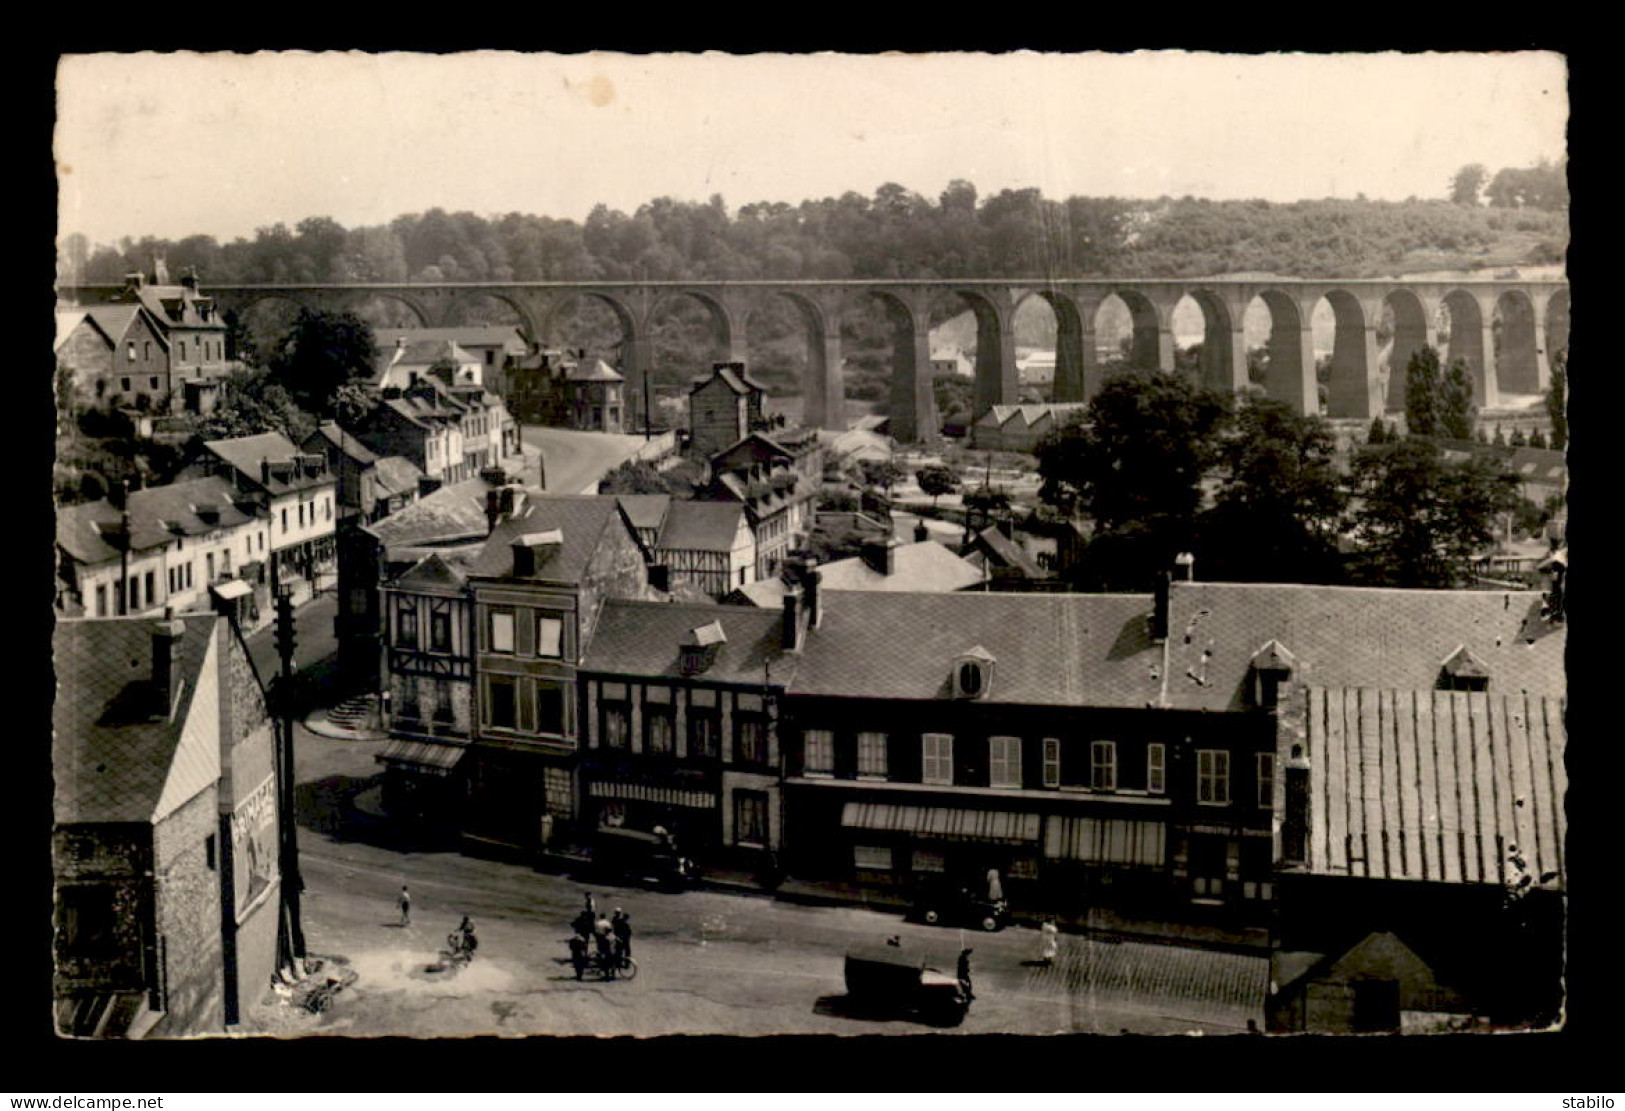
1507,331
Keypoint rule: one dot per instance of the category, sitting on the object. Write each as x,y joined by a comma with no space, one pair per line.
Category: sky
221,144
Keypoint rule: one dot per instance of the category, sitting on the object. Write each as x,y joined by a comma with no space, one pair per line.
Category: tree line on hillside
1158,465
896,233
1544,186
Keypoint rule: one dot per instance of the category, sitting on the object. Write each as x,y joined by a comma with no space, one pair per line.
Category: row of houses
1129,751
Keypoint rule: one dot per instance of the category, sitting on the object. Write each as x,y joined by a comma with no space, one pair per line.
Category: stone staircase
353,716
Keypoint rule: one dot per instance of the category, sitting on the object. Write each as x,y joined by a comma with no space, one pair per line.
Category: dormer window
1269,671
699,649
1463,671
973,674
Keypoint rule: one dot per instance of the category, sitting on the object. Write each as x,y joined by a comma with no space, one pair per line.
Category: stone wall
112,858
186,907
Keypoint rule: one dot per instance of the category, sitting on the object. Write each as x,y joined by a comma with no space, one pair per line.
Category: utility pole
290,930
122,594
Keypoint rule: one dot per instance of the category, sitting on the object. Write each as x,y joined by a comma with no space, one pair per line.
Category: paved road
314,641
575,461
712,961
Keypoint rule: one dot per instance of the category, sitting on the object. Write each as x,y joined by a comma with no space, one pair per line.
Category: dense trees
1422,393
1467,183
1420,520
321,353
1457,414
1135,466
1277,510
1013,233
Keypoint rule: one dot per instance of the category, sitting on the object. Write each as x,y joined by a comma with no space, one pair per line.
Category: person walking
621,924
406,906
578,953
1049,941
964,974
604,937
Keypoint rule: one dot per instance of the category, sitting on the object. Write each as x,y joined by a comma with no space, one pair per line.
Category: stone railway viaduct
1533,317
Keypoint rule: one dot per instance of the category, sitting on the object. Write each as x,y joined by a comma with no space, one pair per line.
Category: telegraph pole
291,931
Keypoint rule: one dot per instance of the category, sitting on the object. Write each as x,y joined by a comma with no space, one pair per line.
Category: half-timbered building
681,704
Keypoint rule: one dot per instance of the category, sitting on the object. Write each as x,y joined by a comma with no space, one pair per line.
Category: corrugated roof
1051,649
1442,786
643,638
584,519
112,757
1345,636
705,526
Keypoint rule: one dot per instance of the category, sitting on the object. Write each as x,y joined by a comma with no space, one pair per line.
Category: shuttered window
1004,761
937,758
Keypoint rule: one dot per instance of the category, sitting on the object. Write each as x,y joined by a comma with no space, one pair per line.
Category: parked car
636,855
956,904
897,979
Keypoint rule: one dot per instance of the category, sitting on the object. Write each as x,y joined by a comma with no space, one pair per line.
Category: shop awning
1106,841
425,756
233,588
643,792
943,824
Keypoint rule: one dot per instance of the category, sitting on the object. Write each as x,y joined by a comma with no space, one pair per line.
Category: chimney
1007,526
265,471
1186,562
790,630
524,559
1159,607
660,577
166,651
134,280
1295,820
160,270
493,512
921,533
881,555
189,280
809,586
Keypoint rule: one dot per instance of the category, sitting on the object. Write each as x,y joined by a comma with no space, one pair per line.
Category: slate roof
434,573
454,512
1345,636
1051,649
155,299
642,638
586,520
1441,786
114,760
599,371
245,453
737,381
345,442
158,515
112,321
396,474
923,567
646,511
1010,554
705,526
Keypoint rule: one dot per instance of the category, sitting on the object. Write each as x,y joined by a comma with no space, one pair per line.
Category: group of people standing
611,938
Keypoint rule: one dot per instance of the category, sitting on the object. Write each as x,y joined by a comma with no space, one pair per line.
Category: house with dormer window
681,708
536,589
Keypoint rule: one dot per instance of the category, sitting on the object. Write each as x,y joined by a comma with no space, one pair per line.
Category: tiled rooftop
643,638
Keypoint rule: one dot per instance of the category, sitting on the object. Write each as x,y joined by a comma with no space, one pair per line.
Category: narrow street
711,962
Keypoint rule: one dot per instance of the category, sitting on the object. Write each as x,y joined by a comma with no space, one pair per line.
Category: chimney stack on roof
166,651
533,550
160,270
881,555
1159,607
790,631
265,470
